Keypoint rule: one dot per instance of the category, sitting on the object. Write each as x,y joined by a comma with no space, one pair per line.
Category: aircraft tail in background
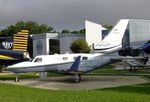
113,41
20,41
93,32
19,49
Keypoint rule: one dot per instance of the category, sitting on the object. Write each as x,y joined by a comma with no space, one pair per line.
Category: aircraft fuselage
59,63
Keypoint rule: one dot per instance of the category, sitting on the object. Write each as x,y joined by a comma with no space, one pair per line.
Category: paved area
6,73
87,82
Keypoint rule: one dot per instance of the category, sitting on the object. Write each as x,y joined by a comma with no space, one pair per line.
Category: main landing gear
77,78
133,69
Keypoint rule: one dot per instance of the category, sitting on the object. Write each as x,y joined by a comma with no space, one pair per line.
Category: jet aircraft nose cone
7,69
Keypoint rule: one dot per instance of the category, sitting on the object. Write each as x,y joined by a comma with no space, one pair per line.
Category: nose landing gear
77,78
17,78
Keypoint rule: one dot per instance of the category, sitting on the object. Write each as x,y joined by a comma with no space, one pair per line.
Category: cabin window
65,58
84,58
38,60
59,59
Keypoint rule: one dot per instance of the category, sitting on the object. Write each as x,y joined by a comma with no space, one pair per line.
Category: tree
81,31
109,27
33,27
74,32
46,29
80,46
65,31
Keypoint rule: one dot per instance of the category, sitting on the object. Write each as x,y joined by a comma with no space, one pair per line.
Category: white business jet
76,63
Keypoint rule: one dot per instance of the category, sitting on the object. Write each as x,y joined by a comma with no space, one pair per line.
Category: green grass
110,70
133,93
147,77
52,74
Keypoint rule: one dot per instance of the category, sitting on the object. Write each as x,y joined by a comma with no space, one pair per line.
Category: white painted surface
93,32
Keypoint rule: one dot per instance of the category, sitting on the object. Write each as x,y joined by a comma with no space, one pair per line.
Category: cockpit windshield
38,60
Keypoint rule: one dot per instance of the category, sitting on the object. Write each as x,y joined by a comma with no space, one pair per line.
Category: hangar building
42,43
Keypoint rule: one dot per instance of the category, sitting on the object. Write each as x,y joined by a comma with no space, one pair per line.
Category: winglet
75,65
143,47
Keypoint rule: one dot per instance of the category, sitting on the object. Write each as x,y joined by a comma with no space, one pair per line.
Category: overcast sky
71,14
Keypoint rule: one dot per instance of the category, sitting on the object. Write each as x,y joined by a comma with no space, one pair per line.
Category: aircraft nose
10,68
7,68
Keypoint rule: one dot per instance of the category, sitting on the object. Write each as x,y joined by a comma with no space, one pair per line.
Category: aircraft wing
132,61
124,58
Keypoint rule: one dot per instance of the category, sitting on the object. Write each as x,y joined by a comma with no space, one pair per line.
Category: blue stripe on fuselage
75,65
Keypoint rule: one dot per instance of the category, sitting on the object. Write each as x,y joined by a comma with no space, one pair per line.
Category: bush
80,46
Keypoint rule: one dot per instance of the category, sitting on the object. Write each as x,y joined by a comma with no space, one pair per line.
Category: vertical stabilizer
113,41
93,32
20,41
117,33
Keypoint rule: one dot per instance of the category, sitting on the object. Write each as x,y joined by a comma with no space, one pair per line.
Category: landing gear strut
17,78
77,78
133,68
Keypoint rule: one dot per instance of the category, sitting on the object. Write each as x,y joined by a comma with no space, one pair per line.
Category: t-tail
113,41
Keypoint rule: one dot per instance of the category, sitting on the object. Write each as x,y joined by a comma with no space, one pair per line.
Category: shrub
80,46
